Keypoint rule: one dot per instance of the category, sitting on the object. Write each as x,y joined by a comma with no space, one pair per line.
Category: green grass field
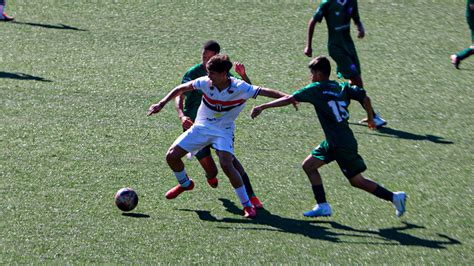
77,78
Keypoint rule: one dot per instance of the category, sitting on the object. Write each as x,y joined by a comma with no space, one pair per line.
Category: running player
331,100
457,58
187,106
338,15
223,99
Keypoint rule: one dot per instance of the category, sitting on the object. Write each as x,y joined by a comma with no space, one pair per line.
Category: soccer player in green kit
338,15
187,106
457,58
331,101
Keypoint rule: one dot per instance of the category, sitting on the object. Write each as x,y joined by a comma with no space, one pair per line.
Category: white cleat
399,200
379,121
323,209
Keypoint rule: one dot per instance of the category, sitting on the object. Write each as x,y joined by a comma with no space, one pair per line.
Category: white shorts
198,137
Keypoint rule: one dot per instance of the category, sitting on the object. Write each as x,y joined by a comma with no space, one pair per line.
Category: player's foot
256,202
379,121
250,212
213,182
455,61
175,191
323,209
399,200
5,17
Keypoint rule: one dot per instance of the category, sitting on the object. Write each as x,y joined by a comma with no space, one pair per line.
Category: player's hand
371,124
186,122
256,111
308,51
155,108
295,104
240,69
361,31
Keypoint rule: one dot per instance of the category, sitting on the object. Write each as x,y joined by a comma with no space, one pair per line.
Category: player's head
218,68
209,49
320,68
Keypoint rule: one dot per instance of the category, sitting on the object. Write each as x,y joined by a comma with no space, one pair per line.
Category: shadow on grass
135,215
395,133
316,230
48,26
22,76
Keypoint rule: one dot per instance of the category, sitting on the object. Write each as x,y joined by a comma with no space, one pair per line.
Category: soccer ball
126,199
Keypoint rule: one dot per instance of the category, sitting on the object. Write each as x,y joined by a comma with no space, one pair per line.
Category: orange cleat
213,182
250,212
175,191
256,202
6,17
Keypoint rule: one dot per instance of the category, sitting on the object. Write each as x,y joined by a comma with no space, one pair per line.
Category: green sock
465,53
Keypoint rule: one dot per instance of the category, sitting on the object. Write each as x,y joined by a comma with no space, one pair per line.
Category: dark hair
219,63
321,64
212,45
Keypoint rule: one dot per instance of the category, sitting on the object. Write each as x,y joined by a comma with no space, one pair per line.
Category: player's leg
318,157
173,158
352,165
209,165
457,58
248,186
193,139
3,15
226,161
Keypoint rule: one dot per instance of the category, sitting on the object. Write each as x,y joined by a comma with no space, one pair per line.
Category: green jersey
192,99
331,101
338,15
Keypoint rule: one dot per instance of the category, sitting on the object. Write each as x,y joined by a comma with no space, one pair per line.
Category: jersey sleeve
249,91
355,13
201,83
303,95
319,14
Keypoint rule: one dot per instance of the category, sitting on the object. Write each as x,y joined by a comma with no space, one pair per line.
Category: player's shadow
316,230
395,234
135,215
22,76
59,26
395,133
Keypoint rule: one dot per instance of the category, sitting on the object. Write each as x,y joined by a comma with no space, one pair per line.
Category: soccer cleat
175,191
379,121
250,212
399,200
213,182
5,17
256,202
455,61
323,209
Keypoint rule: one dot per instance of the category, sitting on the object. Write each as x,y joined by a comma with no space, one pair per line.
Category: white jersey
219,109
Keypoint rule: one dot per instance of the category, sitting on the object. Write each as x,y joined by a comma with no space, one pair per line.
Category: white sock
183,178
242,194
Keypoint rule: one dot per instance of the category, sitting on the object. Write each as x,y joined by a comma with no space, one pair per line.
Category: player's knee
307,166
356,181
171,155
226,163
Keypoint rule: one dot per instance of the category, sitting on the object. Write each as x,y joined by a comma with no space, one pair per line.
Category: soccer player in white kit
223,99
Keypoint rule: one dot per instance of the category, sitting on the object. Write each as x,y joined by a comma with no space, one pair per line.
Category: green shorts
347,61
349,161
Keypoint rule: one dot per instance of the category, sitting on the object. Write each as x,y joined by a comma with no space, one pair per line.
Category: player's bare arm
240,69
360,29
283,101
308,50
155,108
186,121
